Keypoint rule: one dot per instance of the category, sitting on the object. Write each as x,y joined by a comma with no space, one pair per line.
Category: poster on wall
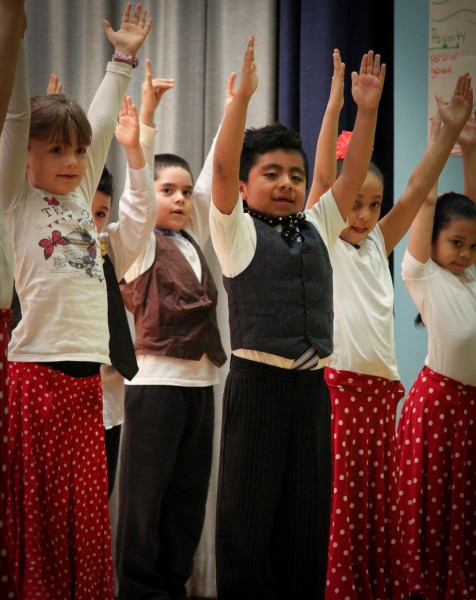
451,48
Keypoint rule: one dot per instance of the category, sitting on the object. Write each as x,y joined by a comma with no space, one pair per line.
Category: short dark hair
55,117
162,161
106,183
266,139
449,206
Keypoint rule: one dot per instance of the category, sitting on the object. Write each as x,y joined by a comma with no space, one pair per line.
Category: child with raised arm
275,463
437,427
365,559
11,22
167,440
126,238
58,519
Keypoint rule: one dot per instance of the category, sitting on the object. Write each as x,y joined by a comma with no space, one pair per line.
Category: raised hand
54,85
457,111
152,91
127,128
367,85
249,77
467,137
132,32
336,95
230,89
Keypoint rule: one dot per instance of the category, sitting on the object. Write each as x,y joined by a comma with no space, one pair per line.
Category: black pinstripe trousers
274,486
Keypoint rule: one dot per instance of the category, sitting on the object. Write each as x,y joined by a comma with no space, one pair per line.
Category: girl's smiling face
56,167
366,210
455,247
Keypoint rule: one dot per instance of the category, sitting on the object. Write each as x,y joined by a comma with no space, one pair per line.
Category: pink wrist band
125,57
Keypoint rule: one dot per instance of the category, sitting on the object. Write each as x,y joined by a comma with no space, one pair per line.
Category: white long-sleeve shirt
125,240
56,255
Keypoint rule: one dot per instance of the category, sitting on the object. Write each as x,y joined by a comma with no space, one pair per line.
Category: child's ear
243,191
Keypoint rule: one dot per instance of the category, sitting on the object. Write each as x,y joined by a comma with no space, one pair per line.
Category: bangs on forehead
57,118
68,130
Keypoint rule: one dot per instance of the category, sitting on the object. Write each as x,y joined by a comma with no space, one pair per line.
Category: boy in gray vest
274,484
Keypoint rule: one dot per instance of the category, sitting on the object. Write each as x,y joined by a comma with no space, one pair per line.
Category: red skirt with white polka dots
58,517
437,486
364,550
6,581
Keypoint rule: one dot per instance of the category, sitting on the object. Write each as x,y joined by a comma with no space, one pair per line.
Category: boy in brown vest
169,406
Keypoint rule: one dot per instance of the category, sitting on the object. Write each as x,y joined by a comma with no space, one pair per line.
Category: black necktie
121,347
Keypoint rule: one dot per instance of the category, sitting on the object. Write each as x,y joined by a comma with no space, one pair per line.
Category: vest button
305,248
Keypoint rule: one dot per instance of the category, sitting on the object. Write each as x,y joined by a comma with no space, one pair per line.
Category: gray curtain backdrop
198,43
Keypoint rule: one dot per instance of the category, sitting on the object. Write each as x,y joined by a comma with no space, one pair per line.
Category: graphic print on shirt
71,247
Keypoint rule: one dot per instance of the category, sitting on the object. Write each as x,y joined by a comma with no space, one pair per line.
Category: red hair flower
343,143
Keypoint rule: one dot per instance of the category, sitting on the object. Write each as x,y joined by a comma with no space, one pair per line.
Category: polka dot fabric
58,518
364,549
437,487
6,581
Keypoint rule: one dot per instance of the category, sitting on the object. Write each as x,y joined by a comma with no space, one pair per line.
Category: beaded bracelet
125,57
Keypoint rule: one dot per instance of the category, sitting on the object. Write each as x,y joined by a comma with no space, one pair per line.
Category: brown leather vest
174,313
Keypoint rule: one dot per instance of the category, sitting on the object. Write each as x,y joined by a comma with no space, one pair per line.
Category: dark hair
266,139
162,161
56,116
372,169
106,183
449,206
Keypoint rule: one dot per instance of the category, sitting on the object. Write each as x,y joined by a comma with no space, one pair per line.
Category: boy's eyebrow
171,183
279,167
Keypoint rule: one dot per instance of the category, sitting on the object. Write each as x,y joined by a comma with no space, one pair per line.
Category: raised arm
421,231
107,102
137,207
467,142
367,87
152,91
226,161
127,134
453,117
325,169
11,25
202,190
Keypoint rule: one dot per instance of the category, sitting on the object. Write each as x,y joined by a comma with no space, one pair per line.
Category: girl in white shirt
362,376
437,428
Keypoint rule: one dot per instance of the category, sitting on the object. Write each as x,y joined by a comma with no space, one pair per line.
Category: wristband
125,57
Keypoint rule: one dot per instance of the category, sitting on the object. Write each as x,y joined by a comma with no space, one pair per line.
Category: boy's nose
286,182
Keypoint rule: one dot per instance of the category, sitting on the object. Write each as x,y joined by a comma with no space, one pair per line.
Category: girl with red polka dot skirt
57,527
365,560
437,428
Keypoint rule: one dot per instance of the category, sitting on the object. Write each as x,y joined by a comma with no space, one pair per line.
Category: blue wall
411,119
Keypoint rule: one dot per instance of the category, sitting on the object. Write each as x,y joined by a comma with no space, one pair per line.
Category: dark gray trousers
165,465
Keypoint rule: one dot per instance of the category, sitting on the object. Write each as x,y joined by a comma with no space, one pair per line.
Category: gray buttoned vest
282,302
